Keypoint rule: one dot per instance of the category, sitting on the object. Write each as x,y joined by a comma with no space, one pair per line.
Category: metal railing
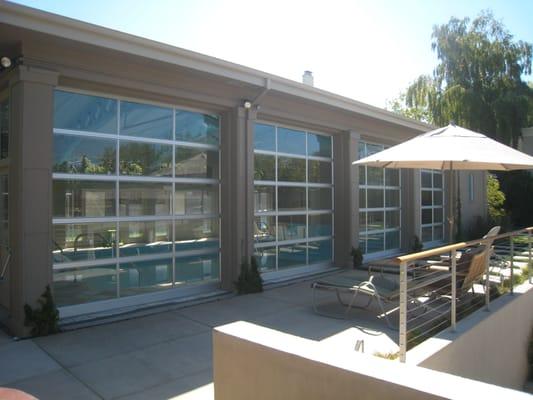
438,286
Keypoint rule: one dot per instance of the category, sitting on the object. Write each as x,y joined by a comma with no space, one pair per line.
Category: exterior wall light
247,104
5,62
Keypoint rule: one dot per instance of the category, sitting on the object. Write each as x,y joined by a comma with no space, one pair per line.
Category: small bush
250,280
357,257
416,245
43,320
387,356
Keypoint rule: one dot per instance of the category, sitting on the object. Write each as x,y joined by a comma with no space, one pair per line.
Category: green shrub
357,257
44,319
416,245
250,280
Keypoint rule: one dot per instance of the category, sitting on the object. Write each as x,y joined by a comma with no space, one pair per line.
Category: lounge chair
376,287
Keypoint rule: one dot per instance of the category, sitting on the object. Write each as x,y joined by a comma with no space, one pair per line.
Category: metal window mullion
307,197
117,201
277,196
173,208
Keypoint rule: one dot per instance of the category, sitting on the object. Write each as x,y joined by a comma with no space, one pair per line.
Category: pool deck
168,355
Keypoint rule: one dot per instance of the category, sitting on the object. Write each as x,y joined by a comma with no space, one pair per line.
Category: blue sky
366,50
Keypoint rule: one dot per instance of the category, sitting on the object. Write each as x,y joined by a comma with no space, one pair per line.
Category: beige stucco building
140,173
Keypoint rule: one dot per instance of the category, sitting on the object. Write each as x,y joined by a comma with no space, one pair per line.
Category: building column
30,194
410,212
346,204
236,198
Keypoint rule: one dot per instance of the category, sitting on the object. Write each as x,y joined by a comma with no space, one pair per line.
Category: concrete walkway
169,355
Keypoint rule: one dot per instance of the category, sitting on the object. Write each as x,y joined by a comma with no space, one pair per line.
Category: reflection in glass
195,199
437,215
362,175
427,234
438,232
291,141
140,238
264,167
392,219
199,268
392,240
145,120
392,177
363,227
362,198
83,198
437,197
318,145
320,198
145,159
320,251
139,277
375,198
426,179
375,176
319,171
264,198
427,216
266,258
373,148
81,242
196,163
291,199
375,220
426,198
320,225
392,198
264,137
83,155
264,228
291,227
375,242
292,255
437,179
196,234
86,284
142,198
291,169
197,128
81,112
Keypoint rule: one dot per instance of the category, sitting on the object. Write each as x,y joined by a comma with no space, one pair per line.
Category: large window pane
362,175
264,198
266,258
426,198
375,220
145,120
373,148
291,227
197,128
84,155
392,177
319,171
291,199
145,276
141,198
375,198
375,176
264,167
320,251
320,198
437,197
264,137
320,225
291,141
86,284
145,159
140,238
197,268
375,242
362,198
82,112
196,163
81,242
291,169
195,199
264,229
427,216
392,219
292,255
318,145
392,198
392,240
196,234
83,199
426,179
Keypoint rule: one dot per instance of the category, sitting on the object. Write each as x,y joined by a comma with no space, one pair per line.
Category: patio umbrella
450,148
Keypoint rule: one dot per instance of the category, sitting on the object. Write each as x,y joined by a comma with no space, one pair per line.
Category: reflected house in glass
154,182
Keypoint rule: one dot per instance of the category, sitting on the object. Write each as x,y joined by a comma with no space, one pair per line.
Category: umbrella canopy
451,147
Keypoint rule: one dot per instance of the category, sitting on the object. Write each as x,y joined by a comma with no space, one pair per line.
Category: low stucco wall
252,362
488,346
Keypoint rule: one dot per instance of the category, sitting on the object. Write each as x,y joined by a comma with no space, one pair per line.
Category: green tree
477,81
495,198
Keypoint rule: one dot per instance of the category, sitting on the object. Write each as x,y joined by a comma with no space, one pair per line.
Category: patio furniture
376,287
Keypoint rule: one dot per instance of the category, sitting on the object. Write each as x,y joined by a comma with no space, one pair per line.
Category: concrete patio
169,354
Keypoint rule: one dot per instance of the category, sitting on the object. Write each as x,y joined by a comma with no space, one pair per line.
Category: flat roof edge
65,27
